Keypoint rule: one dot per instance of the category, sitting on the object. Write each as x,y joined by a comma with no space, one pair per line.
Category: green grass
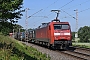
84,45
11,49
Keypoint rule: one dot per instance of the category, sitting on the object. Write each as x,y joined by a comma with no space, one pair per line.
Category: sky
40,12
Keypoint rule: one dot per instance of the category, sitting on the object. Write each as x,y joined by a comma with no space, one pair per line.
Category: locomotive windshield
61,26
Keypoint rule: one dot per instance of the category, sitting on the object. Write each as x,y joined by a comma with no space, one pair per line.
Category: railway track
77,55
87,49
82,50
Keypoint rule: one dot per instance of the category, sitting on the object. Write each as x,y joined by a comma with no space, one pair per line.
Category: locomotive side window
61,26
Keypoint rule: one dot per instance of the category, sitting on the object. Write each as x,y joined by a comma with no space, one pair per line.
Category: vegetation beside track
83,45
11,49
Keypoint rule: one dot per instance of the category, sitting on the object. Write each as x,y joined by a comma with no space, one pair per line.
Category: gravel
53,54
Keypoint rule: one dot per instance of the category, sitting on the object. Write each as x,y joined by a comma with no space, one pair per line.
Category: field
11,49
85,45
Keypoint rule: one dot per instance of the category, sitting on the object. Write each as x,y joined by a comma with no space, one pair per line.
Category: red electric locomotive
54,34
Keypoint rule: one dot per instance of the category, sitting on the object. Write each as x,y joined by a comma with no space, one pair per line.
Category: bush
11,49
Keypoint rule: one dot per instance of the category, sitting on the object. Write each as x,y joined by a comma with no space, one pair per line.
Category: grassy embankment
11,49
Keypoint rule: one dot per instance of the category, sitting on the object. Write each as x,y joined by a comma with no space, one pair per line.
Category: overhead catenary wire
59,8
71,15
35,13
41,19
69,3
86,1
45,9
79,5
51,4
83,10
48,6
66,4
67,12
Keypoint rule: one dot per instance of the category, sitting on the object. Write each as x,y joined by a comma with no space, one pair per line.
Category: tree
84,34
10,10
6,27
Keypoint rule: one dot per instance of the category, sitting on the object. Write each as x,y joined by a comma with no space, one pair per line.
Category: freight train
54,34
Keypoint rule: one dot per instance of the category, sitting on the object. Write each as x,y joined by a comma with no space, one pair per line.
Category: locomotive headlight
56,33
61,33
66,33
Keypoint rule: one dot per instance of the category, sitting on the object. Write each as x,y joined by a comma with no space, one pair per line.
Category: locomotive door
49,34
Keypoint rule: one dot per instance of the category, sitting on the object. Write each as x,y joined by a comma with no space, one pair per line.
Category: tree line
83,34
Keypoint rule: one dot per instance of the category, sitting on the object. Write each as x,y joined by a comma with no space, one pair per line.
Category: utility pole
76,20
76,33
26,23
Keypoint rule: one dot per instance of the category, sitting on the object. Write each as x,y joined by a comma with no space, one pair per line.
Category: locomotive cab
60,34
